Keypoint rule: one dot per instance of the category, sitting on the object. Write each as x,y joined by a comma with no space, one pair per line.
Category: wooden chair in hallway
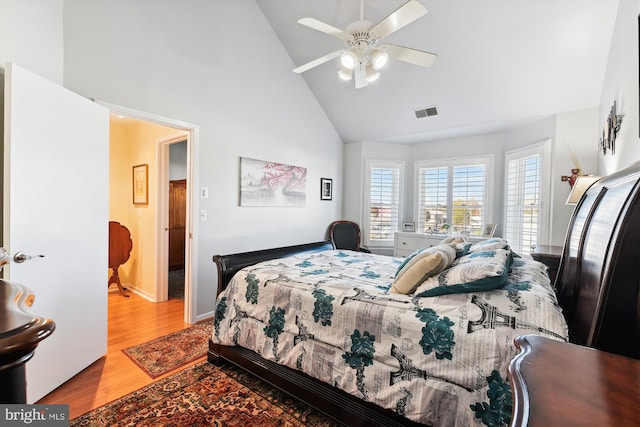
120,246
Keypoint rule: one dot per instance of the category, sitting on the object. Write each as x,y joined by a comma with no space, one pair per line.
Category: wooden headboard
599,273
228,265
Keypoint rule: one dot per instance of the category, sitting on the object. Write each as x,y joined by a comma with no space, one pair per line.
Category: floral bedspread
440,361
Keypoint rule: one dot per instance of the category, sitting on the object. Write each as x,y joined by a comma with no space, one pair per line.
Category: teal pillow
476,272
462,249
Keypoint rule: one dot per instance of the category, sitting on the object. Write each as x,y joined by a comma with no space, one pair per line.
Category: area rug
206,395
164,354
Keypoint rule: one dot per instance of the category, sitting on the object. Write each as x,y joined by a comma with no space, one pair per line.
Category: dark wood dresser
560,384
20,333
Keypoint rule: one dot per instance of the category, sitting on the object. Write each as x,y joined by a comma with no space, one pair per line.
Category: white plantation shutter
524,219
383,203
433,190
469,194
453,192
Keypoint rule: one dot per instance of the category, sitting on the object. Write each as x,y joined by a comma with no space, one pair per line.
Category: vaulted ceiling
501,63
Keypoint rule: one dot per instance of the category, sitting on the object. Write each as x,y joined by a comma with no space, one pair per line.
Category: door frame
162,285
190,132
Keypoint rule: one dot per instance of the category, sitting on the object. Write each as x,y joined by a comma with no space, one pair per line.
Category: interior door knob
20,257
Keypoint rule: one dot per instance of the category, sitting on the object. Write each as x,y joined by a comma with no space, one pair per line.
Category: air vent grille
426,112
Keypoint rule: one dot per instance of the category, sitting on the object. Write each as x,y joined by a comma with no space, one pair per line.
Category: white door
56,158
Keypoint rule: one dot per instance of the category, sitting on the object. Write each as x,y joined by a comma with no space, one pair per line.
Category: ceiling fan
363,56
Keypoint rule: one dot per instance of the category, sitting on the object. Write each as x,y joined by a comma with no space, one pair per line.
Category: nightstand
560,384
549,256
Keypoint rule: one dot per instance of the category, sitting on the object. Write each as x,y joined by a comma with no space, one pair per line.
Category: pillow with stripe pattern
476,272
420,265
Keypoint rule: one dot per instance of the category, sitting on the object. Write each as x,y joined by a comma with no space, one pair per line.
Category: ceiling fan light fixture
345,74
349,60
371,75
379,59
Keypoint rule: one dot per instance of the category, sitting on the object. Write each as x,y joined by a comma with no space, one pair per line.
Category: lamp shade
581,185
379,59
345,74
371,75
349,60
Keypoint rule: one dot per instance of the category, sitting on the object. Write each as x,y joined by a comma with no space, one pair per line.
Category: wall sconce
572,178
610,131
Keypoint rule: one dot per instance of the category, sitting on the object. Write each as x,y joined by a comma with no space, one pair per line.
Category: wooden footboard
341,406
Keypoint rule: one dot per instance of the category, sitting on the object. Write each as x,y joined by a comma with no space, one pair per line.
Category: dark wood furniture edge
20,333
520,414
558,383
341,406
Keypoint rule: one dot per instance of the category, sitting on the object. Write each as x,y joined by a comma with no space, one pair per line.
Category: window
525,223
452,195
382,209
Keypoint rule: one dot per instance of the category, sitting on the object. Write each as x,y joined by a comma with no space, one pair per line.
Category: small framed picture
326,189
489,229
408,226
141,184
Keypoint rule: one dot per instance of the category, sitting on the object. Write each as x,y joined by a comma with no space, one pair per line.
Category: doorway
177,218
150,223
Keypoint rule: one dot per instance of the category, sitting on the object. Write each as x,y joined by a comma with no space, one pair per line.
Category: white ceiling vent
426,112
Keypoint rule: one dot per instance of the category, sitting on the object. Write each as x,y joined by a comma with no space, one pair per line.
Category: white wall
576,136
31,36
621,85
187,60
577,129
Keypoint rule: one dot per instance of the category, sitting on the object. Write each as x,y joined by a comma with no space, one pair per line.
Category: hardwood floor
132,320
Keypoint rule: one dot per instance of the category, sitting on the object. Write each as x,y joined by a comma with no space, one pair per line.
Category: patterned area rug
164,354
206,395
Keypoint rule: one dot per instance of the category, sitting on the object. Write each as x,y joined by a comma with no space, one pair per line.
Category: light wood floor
132,320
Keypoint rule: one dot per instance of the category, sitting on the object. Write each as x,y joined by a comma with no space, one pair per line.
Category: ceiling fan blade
412,56
318,61
324,28
404,15
361,76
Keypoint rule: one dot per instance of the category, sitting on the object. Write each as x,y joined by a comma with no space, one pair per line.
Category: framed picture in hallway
141,184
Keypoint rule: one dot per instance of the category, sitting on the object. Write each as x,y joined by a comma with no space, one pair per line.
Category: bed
367,356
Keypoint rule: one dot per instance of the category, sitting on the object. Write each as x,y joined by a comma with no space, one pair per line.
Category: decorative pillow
462,249
420,270
448,254
489,244
459,243
452,240
479,271
417,273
